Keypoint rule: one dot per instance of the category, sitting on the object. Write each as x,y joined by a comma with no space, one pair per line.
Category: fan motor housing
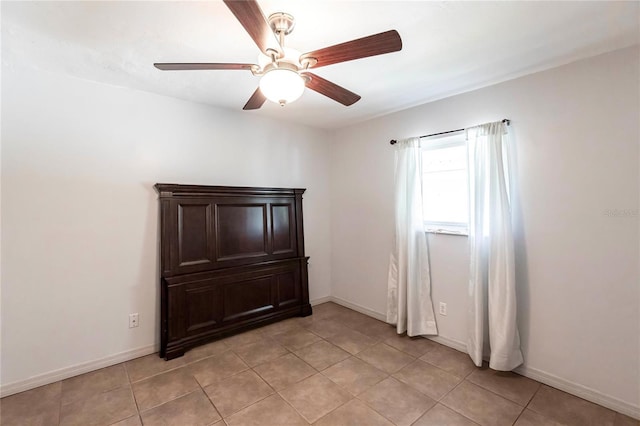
281,22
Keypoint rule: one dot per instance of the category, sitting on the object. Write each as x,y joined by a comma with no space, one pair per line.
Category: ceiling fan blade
254,22
201,66
331,90
255,101
377,44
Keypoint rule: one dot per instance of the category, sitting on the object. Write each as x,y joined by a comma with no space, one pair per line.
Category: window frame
449,140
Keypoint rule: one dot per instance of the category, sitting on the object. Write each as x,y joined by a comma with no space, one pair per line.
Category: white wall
79,214
577,136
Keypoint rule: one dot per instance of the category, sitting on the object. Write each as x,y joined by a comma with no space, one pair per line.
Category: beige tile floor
336,367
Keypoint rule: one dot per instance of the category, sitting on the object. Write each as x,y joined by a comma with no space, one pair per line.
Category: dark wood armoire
232,258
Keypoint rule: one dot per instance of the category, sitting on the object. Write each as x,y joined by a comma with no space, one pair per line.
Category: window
445,185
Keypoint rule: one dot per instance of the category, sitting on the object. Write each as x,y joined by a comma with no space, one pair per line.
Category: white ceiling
448,47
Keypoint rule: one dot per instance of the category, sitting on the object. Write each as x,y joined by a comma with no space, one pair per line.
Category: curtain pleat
492,287
409,303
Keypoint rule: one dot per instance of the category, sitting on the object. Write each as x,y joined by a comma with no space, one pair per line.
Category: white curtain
492,286
409,286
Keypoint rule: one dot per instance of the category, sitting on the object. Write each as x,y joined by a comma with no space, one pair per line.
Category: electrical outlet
133,320
443,308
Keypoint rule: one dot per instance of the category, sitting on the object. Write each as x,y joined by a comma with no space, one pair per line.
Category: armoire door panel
250,297
203,303
282,229
175,309
288,286
194,234
241,231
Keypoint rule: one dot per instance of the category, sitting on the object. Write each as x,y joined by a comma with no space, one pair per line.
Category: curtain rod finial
393,141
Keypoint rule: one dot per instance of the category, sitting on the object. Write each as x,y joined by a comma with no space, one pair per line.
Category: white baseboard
581,391
320,300
452,343
358,308
74,370
554,381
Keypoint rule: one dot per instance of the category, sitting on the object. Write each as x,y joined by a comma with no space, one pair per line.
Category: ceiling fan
285,72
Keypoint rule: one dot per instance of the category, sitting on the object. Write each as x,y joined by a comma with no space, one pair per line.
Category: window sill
447,232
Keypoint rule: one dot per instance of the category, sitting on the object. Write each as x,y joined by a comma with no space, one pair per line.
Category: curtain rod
393,141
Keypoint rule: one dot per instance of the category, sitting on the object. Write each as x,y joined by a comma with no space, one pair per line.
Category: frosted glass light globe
281,85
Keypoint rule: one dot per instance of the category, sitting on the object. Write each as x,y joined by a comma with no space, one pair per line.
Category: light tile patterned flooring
336,367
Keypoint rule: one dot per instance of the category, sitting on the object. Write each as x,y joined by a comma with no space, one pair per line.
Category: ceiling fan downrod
282,25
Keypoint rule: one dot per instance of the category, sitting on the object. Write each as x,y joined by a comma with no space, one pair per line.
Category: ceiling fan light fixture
282,85
283,72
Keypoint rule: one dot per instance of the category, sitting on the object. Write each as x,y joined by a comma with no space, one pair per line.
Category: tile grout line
136,404
518,418
317,372
341,405
294,408
533,394
59,405
171,400
135,401
376,338
438,401
61,402
171,370
355,356
240,372
208,398
94,394
369,405
525,406
160,372
543,415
